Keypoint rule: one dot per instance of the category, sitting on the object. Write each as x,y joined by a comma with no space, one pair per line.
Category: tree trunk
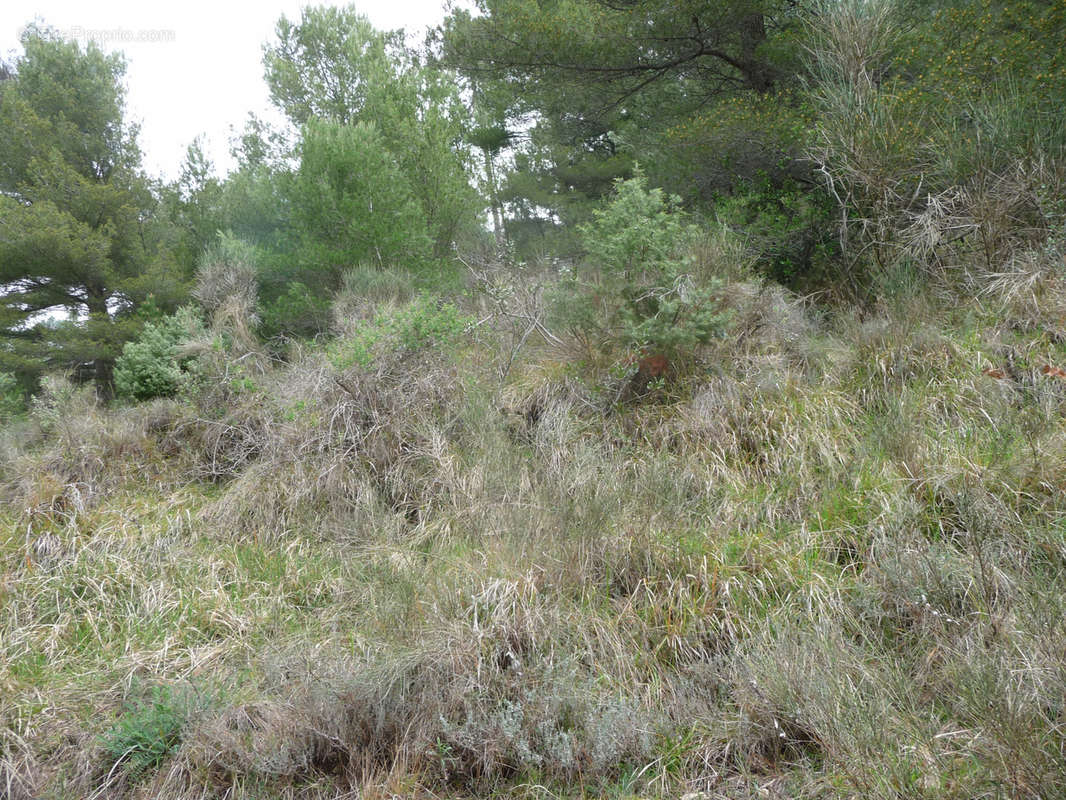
494,201
758,74
103,363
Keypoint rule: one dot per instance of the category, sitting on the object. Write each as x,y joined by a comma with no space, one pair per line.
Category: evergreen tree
334,65
351,203
79,241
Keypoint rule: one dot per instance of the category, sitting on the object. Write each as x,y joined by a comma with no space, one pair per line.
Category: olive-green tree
702,94
351,204
642,292
334,65
80,242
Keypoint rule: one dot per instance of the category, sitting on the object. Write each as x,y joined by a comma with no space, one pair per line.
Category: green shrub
152,365
727,143
148,731
11,401
421,324
298,312
426,322
791,231
644,294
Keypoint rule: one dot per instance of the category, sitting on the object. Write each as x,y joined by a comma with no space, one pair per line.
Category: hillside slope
823,558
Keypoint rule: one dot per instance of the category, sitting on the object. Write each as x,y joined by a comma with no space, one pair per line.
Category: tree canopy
352,204
334,65
615,51
79,245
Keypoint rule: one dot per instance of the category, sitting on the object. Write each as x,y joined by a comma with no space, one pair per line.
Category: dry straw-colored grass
825,560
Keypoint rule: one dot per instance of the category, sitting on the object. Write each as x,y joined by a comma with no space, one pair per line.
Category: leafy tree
702,94
299,311
490,136
618,48
12,401
194,204
78,232
352,204
490,140
329,65
561,174
252,203
333,65
60,97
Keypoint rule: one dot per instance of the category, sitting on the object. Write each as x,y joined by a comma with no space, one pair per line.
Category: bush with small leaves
147,732
152,365
423,323
11,401
644,294
298,312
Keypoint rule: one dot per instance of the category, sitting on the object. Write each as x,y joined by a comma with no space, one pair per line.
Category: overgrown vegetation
643,294
605,510
147,732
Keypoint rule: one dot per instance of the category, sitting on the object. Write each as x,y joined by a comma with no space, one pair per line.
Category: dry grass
85,452
917,190
826,561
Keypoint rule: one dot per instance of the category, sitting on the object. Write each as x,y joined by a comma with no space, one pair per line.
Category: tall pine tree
79,246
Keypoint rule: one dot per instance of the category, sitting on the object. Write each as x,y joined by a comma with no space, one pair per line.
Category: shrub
645,294
428,323
423,323
298,312
152,365
737,140
935,136
147,732
11,402
790,231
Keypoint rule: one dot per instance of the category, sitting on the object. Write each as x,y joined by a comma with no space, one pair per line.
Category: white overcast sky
209,75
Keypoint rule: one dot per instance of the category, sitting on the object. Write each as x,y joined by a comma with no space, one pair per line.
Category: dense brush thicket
598,504
823,556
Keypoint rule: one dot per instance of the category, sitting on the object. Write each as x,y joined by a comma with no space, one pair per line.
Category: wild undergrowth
823,556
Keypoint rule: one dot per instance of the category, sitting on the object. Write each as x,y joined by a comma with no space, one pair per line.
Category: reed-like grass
824,559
